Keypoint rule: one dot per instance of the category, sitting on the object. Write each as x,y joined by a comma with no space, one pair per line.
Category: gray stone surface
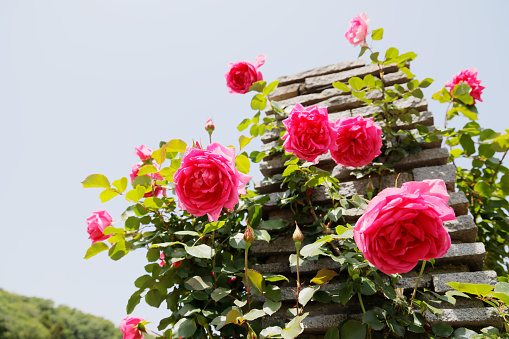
311,99
411,102
471,254
312,266
463,229
447,173
395,78
481,277
458,201
271,135
468,317
285,92
339,67
315,83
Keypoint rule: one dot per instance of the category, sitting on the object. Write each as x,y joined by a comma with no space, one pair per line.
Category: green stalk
360,300
418,280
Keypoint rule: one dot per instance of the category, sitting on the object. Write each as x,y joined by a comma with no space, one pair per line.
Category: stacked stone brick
463,262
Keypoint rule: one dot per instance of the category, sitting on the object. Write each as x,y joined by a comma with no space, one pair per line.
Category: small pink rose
143,152
130,327
162,262
208,180
209,126
177,263
358,30
309,133
243,74
96,225
358,141
468,76
403,225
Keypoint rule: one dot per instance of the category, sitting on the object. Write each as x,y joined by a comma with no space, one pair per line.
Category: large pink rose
129,326
243,74
468,76
96,225
404,225
208,180
358,30
309,133
143,152
358,141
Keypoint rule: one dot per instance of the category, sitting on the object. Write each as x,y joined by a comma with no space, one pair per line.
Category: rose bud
209,126
298,237
249,235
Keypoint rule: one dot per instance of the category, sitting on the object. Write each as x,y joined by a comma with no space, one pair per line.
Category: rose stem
418,279
362,304
246,276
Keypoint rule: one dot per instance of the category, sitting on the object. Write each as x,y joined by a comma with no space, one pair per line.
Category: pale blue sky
84,82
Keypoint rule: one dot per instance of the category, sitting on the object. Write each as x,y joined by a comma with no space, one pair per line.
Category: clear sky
83,82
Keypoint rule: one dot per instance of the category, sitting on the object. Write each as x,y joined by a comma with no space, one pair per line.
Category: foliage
34,318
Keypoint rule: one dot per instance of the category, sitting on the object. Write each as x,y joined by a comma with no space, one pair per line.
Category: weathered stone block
481,277
467,317
471,254
458,201
462,229
447,173
285,92
339,67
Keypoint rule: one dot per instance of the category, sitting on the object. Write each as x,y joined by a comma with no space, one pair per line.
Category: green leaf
502,287
307,293
96,180
396,327
477,289
323,276
120,184
154,298
488,134
363,50
136,194
464,333
231,317
118,250
176,145
272,224
147,169
442,96
377,34
294,327
274,277
374,57
456,152
258,86
112,230
259,102
213,226
270,87
442,330
253,314
332,333
290,169
407,72
256,280
312,250
184,328
483,188
141,181
271,331
426,83
341,86
244,141
501,143
262,235
367,286
353,329
133,301
219,293
97,247
391,53
371,319
197,283
356,83
200,251
108,194
417,93
369,81
462,92
270,307
242,163
244,124
467,143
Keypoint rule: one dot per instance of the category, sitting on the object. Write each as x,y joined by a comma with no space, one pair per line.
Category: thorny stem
312,210
298,280
498,167
360,300
247,278
208,331
418,280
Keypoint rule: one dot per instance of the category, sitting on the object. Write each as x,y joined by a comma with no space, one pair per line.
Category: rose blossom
308,132
358,30
129,326
358,141
208,180
96,225
243,74
404,225
161,263
143,152
468,76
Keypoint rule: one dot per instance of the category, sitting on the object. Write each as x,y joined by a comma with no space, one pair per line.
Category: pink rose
209,126
208,180
143,152
176,264
358,30
309,133
358,141
468,76
162,263
130,327
243,74
404,225
96,225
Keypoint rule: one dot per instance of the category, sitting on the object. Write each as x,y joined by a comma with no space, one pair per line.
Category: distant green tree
57,331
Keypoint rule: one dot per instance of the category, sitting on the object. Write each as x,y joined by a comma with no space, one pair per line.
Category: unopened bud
209,126
298,237
249,235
